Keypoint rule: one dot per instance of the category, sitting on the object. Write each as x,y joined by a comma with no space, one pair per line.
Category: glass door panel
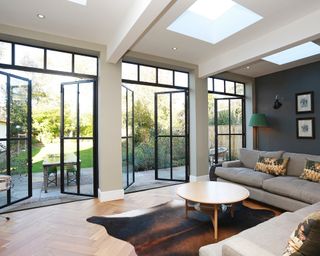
229,128
77,141
15,137
128,175
171,140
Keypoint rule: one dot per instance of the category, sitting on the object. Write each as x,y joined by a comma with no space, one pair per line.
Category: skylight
213,20
295,53
81,2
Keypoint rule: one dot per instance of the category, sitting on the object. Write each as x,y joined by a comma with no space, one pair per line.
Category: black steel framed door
230,129
171,136
78,148
127,137
15,137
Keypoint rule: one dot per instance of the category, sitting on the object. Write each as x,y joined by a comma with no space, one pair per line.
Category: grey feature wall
281,133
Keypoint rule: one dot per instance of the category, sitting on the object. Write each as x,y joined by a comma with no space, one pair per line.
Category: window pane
165,76
124,112
19,169
218,85
129,71
70,166
5,52
29,56
178,114
86,165
3,108
223,116
86,109
223,148
163,120
85,65
164,161
181,79
147,74
70,110
236,115
210,84
60,61
124,163
179,158
18,108
240,89
229,87
236,144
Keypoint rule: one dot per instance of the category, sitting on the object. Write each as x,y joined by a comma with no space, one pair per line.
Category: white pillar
198,128
109,137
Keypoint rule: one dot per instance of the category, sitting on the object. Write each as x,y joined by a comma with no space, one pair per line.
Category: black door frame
78,138
127,137
171,136
229,134
8,138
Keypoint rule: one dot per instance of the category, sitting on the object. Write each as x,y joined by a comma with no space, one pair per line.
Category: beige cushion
249,157
297,162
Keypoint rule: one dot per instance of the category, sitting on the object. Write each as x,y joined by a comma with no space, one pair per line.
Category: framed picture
304,102
305,128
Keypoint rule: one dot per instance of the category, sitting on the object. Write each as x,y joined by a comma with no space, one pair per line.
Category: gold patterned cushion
311,171
304,241
271,165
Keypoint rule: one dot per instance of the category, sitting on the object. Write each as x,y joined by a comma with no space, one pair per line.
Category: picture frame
304,102
306,128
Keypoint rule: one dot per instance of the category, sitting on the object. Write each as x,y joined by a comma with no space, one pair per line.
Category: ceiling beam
134,26
299,31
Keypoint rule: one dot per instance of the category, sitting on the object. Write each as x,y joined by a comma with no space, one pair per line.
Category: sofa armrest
235,163
238,246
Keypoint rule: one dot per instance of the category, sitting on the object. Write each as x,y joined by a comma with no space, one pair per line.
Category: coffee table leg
214,220
187,208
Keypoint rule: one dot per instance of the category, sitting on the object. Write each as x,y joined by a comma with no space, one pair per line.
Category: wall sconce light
277,104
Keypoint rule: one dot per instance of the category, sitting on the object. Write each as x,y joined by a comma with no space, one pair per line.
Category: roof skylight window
213,20
295,53
81,2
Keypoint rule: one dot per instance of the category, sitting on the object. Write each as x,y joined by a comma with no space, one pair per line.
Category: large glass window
44,59
226,106
132,72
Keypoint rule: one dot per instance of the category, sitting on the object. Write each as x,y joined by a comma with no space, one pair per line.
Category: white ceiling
140,26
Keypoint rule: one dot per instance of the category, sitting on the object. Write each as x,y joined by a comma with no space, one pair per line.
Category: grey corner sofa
286,192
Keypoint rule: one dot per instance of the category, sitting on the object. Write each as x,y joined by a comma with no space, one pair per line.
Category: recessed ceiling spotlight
247,67
174,48
41,16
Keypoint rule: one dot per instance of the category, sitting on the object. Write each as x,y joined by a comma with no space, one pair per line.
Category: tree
143,123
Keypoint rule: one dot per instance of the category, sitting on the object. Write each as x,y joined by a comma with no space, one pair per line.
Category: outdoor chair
71,173
52,171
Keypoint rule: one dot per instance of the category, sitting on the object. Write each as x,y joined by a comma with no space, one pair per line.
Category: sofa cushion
311,171
294,187
297,162
249,157
243,175
271,165
304,241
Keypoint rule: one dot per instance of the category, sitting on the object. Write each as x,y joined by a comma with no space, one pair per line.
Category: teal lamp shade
258,120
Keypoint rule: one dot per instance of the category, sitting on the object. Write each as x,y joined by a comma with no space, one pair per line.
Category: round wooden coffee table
210,195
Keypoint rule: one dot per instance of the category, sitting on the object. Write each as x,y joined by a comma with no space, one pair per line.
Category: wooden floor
63,229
